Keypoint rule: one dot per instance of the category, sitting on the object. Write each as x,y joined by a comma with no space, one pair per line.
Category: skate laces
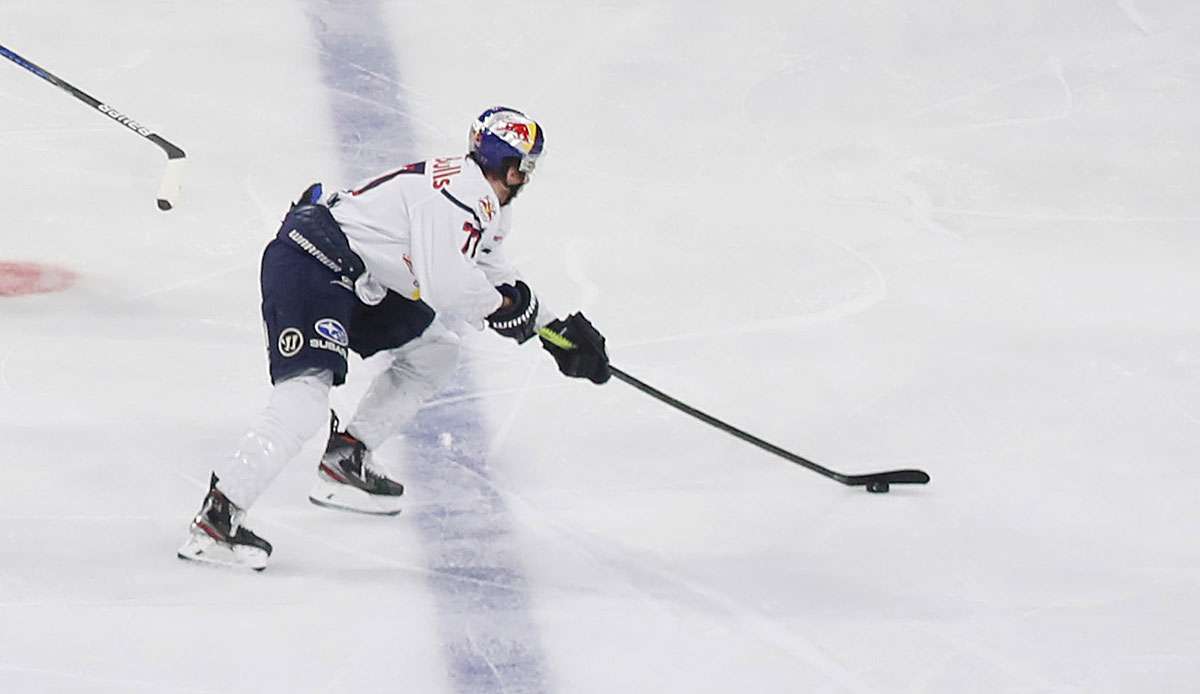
353,457
235,520
221,514
373,471
230,513
348,452
352,454
364,462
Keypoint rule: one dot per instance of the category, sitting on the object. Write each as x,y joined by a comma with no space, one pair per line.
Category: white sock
298,408
418,370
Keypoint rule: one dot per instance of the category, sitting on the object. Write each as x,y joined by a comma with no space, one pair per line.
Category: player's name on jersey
444,170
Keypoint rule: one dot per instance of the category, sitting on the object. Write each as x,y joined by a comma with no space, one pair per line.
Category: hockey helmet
501,133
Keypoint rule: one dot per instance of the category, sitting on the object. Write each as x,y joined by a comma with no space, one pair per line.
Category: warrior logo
290,342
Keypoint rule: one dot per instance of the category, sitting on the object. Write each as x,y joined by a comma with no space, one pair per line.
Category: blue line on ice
489,639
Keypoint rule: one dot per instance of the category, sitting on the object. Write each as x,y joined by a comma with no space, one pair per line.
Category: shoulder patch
486,210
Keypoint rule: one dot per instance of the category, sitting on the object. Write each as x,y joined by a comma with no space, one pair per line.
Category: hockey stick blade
875,482
890,477
168,190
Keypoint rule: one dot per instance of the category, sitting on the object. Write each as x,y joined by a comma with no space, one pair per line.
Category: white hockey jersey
433,231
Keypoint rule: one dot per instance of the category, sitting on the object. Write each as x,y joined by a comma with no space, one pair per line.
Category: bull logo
521,130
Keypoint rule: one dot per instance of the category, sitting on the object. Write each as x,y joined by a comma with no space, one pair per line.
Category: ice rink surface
962,237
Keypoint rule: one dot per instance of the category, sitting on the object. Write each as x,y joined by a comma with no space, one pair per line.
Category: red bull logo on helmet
516,130
521,130
502,133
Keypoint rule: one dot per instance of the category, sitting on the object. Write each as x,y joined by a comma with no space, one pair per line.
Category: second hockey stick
168,190
875,482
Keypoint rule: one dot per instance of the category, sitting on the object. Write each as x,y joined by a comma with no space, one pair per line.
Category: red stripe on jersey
417,168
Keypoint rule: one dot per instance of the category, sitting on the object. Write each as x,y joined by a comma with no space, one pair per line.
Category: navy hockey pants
312,315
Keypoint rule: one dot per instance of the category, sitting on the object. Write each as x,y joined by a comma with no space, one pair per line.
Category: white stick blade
168,191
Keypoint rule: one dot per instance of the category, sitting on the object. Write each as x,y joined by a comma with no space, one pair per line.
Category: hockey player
384,267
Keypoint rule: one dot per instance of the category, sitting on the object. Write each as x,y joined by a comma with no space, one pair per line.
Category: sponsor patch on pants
332,330
291,341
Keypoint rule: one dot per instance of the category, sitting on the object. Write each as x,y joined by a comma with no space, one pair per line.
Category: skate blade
205,550
343,497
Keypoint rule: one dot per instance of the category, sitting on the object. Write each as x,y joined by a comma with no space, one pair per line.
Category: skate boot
217,536
347,480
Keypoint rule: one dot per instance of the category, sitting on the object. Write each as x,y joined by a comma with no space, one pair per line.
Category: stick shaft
173,152
723,426
884,478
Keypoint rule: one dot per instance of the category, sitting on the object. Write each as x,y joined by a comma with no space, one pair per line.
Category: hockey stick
876,482
168,190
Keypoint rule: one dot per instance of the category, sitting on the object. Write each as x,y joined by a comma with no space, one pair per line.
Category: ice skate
347,480
216,535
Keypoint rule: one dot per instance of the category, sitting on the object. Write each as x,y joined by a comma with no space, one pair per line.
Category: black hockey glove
517,320
585,358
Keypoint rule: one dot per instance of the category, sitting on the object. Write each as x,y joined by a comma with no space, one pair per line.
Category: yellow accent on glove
555,339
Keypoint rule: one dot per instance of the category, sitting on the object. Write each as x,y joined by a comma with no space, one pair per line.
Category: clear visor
527,165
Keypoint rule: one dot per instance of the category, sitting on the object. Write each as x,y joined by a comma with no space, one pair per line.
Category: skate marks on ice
1139,20
861,287
473,557
1053,106
487,635
483,596
374,127
666,591
31,679
1041,91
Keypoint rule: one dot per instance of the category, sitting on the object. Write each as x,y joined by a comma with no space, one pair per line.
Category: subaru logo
333,331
